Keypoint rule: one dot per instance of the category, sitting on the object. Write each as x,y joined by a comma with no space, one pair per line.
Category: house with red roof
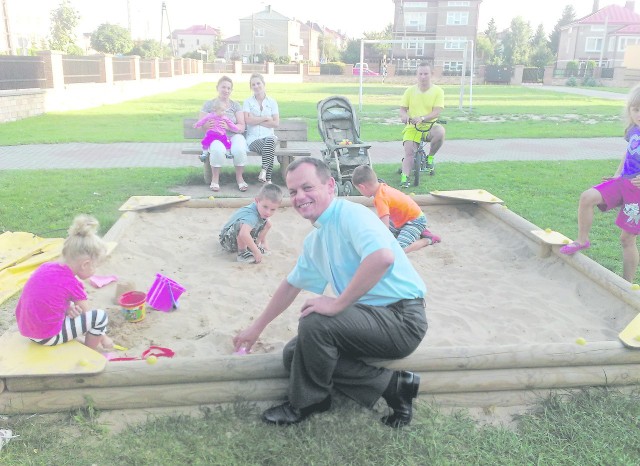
602,36
197,37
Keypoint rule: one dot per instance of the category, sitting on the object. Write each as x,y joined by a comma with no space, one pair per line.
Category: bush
590,82
572,82
334,68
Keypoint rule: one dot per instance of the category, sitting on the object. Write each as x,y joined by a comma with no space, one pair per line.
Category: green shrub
572,82
334,68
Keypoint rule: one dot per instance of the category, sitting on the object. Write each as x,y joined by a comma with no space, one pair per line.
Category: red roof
633,29
612,14
198,30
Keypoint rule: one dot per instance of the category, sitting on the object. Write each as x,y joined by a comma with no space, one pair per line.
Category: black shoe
402,400
285,414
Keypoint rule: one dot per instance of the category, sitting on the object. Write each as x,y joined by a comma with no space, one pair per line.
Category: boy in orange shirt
401,214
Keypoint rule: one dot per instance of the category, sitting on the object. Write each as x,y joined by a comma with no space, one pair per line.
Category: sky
352,17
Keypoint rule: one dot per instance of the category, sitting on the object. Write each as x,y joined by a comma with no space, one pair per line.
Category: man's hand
324,305
246,339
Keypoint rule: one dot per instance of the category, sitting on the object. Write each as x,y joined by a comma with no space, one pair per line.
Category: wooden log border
503,375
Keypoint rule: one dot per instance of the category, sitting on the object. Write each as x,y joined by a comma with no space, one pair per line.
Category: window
593,44
597,28
452,3
259,32
457,18
452,68
624,41
416,5
455,43
417,45
247,47
416,21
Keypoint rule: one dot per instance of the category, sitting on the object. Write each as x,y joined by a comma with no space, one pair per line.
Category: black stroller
339,129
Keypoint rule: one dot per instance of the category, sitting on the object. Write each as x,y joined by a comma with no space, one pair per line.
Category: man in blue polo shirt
377,309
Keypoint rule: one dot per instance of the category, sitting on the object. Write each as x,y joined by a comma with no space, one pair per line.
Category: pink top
45,299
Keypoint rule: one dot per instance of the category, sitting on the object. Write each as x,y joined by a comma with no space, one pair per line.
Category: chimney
630,5
268,8
596,6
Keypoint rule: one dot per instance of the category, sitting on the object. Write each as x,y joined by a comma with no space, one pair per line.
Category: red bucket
132,305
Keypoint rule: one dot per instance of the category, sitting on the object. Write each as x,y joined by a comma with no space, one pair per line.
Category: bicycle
421,162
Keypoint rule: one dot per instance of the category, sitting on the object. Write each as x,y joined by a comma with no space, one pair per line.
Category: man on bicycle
421,103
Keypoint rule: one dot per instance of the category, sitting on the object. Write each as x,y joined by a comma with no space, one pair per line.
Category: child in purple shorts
622,190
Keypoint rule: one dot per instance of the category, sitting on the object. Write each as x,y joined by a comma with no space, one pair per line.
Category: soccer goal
467,64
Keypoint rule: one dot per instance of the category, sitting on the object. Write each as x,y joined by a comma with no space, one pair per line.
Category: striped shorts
94,322
409,232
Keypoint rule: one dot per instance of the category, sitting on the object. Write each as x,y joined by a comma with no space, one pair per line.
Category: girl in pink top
53,307
218,130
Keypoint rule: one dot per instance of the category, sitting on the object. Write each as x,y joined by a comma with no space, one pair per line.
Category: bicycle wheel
417,165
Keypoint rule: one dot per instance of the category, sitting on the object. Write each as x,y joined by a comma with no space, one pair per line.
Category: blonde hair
270,192
256,75
632,101
83,240
363,174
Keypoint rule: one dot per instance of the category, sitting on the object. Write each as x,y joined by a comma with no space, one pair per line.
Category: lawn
595,426
499,112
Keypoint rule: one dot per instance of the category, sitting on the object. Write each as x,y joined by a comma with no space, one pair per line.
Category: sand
486,285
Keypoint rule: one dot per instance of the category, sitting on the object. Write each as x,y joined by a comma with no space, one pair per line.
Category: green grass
521,112
596,426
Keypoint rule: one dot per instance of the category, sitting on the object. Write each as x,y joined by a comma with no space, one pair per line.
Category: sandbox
506,314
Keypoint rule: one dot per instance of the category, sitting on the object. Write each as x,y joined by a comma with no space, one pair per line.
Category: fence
21,72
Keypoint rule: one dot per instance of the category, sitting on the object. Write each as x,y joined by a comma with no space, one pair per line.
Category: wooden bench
288,130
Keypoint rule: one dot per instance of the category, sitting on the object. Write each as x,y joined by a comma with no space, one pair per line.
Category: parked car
365,70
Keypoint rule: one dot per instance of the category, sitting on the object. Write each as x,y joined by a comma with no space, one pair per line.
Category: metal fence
78,69
122,69
21,72
285,69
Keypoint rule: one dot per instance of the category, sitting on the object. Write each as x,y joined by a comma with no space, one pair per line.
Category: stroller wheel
347,188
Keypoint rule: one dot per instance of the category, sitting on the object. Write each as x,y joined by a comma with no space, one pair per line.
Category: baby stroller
339,129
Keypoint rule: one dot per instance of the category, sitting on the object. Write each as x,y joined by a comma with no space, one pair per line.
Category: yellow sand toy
19,357
630,335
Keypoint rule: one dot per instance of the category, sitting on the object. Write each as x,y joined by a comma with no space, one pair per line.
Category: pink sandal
574,247
428,235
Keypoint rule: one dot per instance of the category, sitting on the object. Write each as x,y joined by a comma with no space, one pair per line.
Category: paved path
85,155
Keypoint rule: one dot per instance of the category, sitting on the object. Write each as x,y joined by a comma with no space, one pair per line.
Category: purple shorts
620,192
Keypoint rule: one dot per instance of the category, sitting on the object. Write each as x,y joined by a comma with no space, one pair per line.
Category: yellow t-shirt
422,103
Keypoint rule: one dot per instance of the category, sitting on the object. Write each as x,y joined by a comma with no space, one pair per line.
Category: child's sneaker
404,182
246,257
203,156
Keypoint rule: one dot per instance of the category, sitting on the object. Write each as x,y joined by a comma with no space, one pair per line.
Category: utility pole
6,27
166,14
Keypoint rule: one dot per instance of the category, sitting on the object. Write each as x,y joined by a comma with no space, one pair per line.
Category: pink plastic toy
164,293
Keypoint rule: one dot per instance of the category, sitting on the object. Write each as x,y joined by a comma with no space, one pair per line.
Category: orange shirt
400,207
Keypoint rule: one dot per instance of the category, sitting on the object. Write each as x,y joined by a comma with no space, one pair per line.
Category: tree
149,48
516,42
111,38
330,51
491,32
541,54
568,17
64,21
386,34
351,53
486,51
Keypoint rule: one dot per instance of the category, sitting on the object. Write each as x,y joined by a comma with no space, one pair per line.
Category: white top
252,106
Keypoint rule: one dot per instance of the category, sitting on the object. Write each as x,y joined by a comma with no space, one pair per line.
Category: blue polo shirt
345,234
